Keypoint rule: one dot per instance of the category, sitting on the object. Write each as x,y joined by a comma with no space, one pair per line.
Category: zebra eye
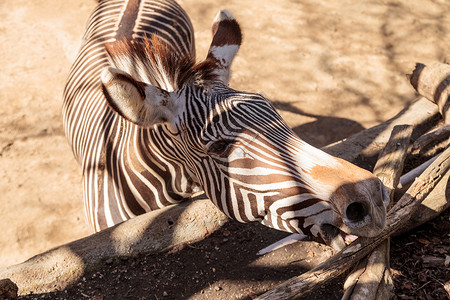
220,147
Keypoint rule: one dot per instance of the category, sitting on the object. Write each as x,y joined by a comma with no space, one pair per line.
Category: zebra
152,127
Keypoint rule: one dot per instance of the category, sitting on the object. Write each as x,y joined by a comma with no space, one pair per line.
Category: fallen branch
434,204
396,220
371,278
426,139
390,163
148,233
433,83
409,177
363,148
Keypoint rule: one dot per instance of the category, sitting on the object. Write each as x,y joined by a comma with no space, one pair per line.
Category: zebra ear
227,38
138,102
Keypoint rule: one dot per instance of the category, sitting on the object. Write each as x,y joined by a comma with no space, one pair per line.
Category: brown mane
154,61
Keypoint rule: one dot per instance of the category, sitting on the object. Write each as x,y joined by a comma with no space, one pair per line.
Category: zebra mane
152,60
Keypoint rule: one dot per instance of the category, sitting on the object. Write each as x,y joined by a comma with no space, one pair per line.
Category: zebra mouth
334,237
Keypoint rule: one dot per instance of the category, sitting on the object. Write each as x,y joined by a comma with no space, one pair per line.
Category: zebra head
236,146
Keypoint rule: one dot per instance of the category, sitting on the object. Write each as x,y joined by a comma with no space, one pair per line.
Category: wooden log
149,233
372,278
390,164
436,202
363,148
396,219
439,133
433,83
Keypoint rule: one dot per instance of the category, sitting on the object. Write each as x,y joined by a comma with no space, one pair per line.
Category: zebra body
112,152
151,127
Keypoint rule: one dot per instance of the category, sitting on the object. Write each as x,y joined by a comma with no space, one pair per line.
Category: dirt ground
332,68
225,266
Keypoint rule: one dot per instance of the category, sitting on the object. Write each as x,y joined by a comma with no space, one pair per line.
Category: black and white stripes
151,127
124,173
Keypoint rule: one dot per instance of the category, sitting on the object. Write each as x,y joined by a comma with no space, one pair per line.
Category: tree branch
371,278
433,83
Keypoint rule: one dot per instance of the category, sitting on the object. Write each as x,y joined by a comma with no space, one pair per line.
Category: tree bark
397,218
372,278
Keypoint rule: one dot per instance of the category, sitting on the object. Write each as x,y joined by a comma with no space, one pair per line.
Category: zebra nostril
356,212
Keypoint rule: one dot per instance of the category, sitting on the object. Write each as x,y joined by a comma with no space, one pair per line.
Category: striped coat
151,127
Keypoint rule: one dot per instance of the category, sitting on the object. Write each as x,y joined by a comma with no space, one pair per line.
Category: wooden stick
371,278
434,135
396,219
433,83
409,177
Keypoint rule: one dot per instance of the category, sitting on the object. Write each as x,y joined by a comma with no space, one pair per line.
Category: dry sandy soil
332,68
